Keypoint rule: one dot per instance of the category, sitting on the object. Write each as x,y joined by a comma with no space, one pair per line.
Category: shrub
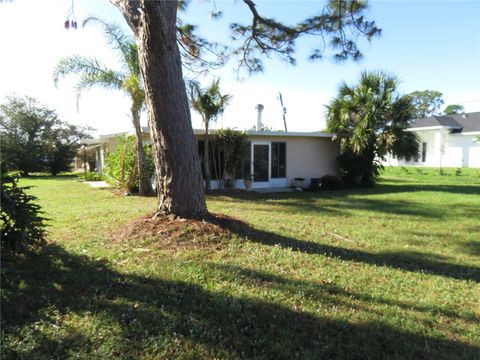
92,176
121,165
22,225
356,170
458,172
331,182
229,149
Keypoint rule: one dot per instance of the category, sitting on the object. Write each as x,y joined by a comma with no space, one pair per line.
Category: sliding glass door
261,162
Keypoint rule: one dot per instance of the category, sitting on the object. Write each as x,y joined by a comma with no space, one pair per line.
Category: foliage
208,102
454,109
22,226
267,36
92,176
370,120
34,139
426,103
120,165
331,182
93,72
230,149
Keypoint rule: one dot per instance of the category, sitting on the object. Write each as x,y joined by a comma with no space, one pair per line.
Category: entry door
261,162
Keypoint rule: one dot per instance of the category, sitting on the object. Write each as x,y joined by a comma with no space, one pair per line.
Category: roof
314,134
464,123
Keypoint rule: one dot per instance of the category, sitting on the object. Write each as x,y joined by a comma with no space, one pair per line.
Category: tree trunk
206,159
144,186
177,166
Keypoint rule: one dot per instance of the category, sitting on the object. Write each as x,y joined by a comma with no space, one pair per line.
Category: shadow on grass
166,318
403,260
327,292
67,176
348,200
380,188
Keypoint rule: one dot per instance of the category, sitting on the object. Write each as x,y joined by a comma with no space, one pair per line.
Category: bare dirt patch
177,233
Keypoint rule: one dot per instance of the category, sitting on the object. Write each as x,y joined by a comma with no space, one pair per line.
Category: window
424,151
279,158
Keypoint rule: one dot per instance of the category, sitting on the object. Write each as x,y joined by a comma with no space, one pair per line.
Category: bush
120,165
358,170
458,172
22,225
331,182
92,176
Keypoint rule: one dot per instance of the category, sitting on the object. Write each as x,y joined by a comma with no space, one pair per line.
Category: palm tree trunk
177,166
206,158
144,186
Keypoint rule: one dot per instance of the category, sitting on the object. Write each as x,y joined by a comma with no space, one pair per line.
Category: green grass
389,272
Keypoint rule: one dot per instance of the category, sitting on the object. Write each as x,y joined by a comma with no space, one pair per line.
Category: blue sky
427,44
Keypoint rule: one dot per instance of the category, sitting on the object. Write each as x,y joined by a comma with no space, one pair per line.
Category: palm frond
92,73
83,66
208,102
120,41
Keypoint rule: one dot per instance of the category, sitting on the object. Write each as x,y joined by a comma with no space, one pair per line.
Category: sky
427,44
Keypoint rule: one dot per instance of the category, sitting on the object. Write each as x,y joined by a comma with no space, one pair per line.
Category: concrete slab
99,184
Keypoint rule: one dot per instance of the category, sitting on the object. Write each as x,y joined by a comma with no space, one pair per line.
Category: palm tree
370,120
128,79
209,103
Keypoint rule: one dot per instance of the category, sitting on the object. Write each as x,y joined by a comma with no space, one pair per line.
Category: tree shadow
347,200
327,292
156,317
380,188
404,260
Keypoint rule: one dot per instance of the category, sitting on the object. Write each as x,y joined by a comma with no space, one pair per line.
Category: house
446,141
274,158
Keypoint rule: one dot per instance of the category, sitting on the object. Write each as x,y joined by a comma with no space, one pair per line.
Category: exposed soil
178,233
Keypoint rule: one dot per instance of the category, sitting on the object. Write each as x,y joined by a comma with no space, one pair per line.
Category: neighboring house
275,159
446,141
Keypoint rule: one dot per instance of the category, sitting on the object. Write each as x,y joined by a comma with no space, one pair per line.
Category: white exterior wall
306,157
459,150
311,158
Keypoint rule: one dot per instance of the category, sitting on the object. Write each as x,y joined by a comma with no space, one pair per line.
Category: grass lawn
391,272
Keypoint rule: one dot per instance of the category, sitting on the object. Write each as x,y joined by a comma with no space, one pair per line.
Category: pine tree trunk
144,186
206,159
177,166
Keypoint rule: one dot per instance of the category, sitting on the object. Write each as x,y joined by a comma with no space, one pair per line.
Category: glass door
261,162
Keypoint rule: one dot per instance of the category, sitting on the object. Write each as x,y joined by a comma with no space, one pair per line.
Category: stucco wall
307,157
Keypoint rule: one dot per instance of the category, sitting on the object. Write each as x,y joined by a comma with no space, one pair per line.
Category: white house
446,141
275,158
